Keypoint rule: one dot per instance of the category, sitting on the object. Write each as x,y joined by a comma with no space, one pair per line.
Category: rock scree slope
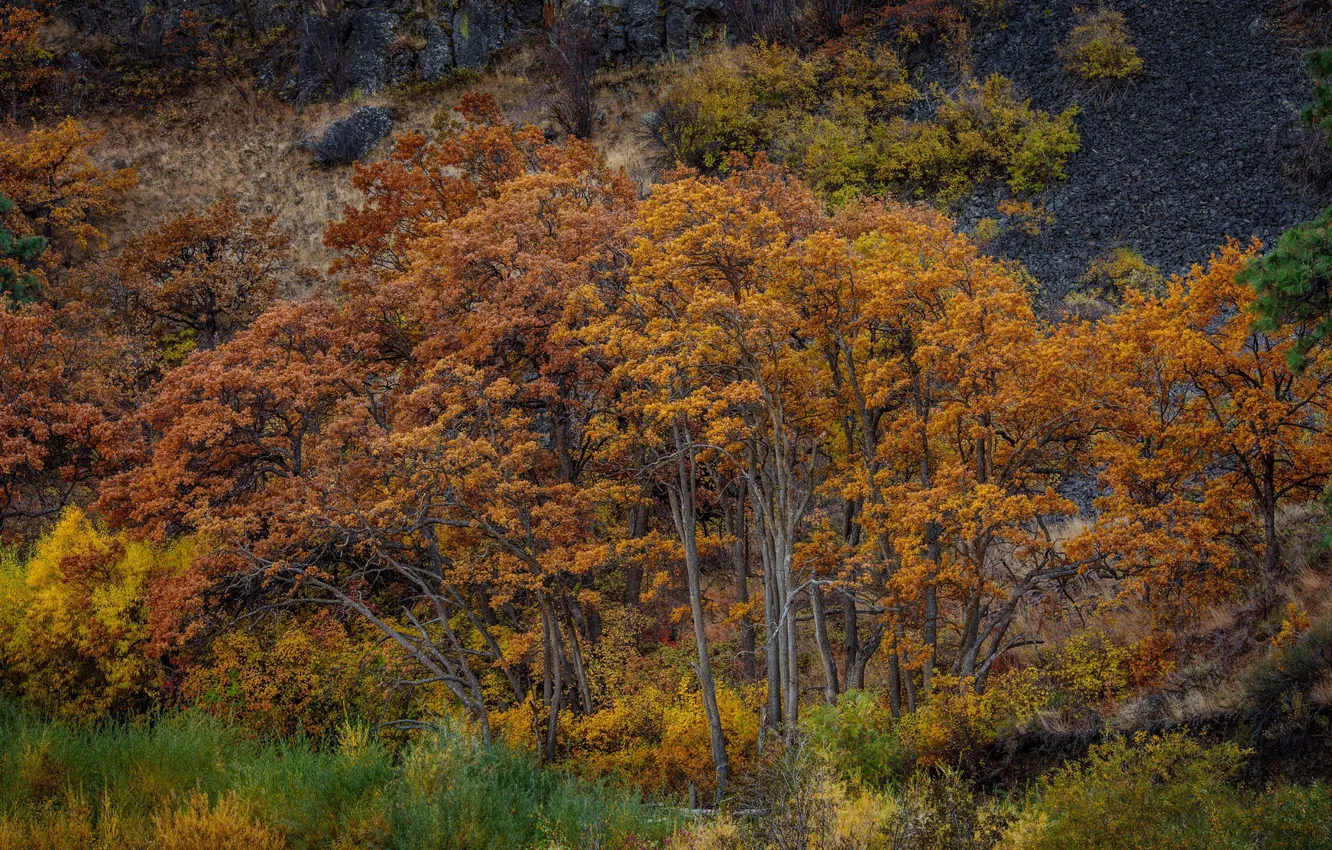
1196,150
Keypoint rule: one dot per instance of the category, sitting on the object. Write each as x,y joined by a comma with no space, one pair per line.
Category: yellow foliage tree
74,639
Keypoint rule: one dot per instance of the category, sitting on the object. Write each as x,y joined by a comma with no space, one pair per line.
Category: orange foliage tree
24,63
206,274
424,182
58,190
1209,432
424,443
536,388
60,411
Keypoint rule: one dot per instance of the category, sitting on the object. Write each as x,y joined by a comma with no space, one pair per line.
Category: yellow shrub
1098,49
868,77
658,739
1091,668
74,641
957,720
1027,217
1111,276
303,674
72,826
225,826
982,132
710,113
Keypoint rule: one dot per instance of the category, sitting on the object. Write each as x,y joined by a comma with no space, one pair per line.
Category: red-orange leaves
205,274
58,412
236,428
423,182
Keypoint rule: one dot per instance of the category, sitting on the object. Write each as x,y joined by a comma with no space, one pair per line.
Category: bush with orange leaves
200,278
303,674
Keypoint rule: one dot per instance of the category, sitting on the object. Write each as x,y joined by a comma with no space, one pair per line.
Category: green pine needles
16,253
1294,284
1319,113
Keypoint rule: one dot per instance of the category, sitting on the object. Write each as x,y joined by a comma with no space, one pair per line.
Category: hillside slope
1197,150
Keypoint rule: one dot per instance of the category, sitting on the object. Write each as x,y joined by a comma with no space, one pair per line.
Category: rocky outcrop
320,49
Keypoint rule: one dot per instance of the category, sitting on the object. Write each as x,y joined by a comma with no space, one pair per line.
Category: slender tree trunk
855,676
740,561
633,580
553,680
851,642
576,656
772,644
830,687
931,637
684,511
1272,557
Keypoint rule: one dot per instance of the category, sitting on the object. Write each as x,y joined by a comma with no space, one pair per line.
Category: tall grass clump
192,782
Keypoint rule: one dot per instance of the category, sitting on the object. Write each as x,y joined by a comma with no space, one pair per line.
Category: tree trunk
633,579
684,510
830,687
1272,557
851,644
553,681
740,561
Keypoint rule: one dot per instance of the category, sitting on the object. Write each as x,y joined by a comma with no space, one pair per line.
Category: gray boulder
350,139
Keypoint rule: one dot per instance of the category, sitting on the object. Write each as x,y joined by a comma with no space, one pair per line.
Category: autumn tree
1211,432
60,408
418,456
712,375
423,182
956,425
204,275
24,62
59,192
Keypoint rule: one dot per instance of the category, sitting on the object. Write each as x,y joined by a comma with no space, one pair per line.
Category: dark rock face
659,29
1195,151
350,139
480,27
332,48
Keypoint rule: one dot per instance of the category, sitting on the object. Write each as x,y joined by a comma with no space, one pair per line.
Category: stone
350,139
370,36
480,28
435,59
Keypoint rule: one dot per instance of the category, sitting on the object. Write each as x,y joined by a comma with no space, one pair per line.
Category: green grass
442,791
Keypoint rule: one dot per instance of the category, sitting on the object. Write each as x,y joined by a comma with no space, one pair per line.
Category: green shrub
1277,689
1098,48
982,132
858,737
1169,791
940,810
836,118
1112,276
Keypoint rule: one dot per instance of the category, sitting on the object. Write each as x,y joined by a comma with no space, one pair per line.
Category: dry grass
225,138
